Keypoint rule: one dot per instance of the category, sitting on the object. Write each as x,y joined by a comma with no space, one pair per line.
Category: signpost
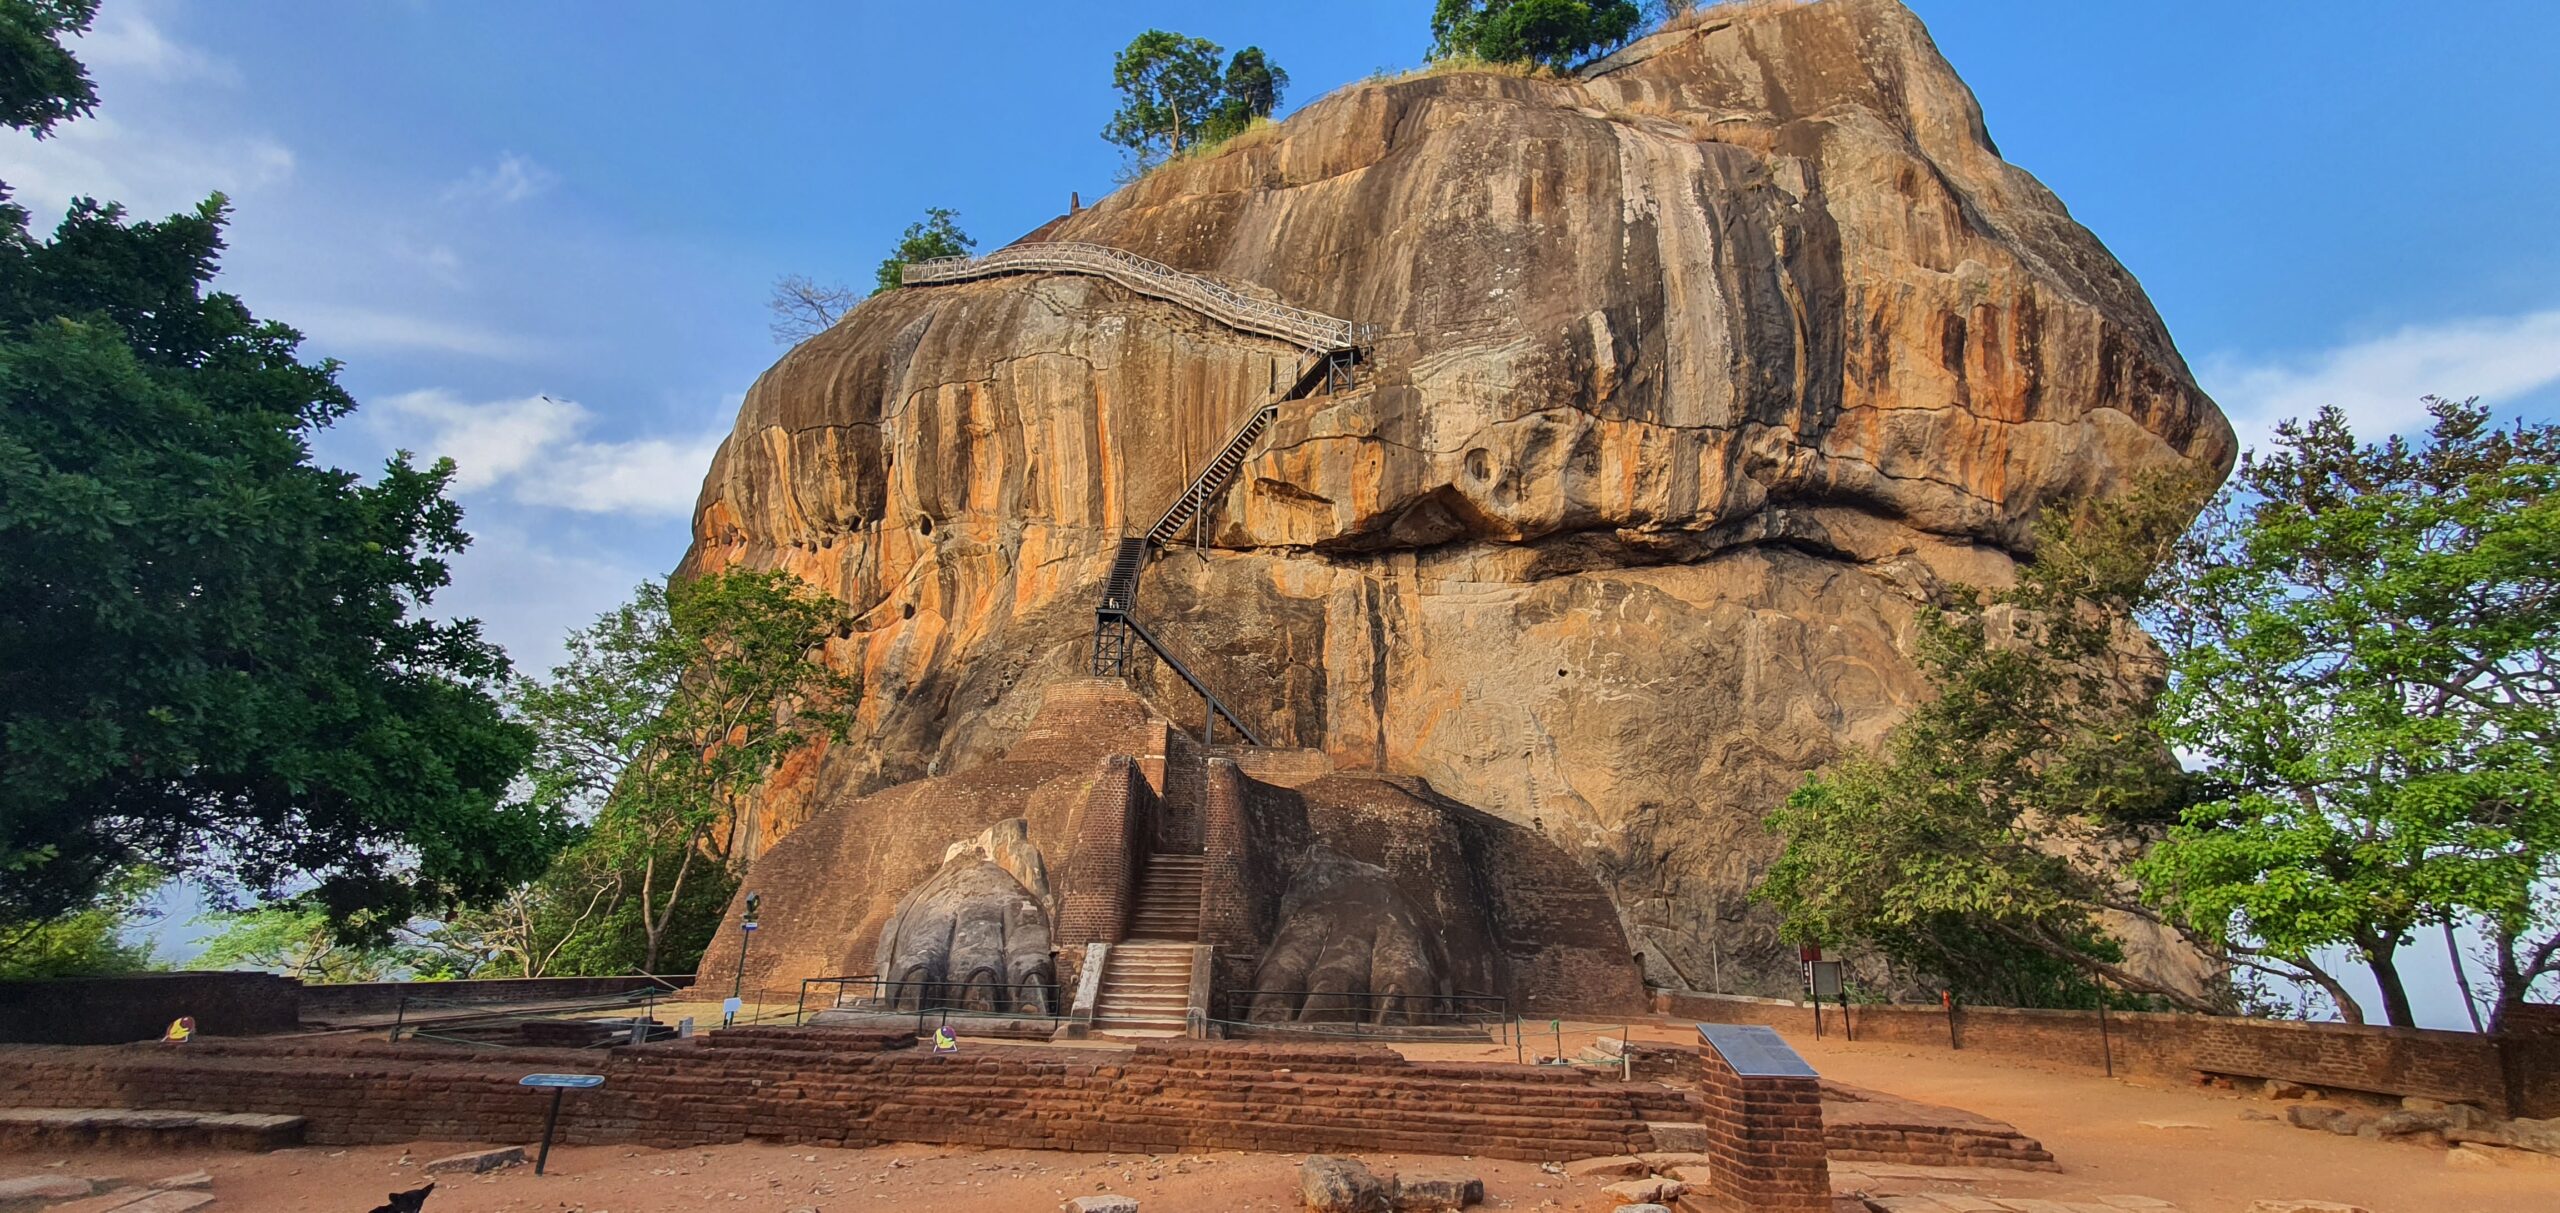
560,1085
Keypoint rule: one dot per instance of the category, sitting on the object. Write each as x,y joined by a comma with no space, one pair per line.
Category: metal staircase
1334,348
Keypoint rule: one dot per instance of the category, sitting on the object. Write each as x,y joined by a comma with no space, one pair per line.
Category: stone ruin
1109,872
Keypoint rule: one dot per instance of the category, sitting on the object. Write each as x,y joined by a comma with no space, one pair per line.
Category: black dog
406,1202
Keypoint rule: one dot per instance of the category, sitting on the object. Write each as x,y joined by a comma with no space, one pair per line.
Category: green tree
214,658
2366,669
88,942
1170,88
41,84
938,235
1253,89
1984,844
1551,33
301,942
669,711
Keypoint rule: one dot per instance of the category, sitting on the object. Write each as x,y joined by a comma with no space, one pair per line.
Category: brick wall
854,1088
2456,1066
1764,1138
1226,908
1102,864
113,1010
2529,1044
384,997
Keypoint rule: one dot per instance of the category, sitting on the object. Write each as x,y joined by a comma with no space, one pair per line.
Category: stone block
1105,1203
1662,1161
1643,1208
2278,1088
193,1180
1608,1166
2475,1157
178,1201
1341,1185
1648,1190
2312,1116
1678,1137
1437,1193
477,1161
42,1187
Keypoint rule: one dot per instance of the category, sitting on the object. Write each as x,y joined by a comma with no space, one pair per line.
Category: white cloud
535,450
152,171
364,328
512,179
125,39
2379,382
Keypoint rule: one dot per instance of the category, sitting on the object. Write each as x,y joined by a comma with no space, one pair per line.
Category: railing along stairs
1313,331
1334,347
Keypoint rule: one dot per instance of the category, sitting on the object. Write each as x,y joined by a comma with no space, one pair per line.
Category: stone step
139,1129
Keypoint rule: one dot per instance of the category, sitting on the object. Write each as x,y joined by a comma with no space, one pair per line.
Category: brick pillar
1226,915
1102,864
1763,1121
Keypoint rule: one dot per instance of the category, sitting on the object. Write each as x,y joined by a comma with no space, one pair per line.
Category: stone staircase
1146,981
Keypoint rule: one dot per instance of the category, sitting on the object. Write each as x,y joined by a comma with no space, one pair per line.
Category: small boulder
2304,1206
42,1187
1437,1193
2312,1116
476,1162
2349,1123
1647,1191
2278,1088
1608,1166
2410,1124
2476,1157
1341,1185
1105,1203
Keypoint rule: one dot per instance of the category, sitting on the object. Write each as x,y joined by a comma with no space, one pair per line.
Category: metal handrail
1313,330
1198,491
925,997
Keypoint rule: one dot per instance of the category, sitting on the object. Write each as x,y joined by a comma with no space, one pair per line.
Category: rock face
1364,897
1700,374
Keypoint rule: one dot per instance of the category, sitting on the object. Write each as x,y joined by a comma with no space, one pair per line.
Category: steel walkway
1312,331
1334,349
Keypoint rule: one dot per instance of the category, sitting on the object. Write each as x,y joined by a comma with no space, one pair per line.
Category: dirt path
2192,1147
775,1179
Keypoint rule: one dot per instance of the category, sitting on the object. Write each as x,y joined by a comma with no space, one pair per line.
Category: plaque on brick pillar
1764,1121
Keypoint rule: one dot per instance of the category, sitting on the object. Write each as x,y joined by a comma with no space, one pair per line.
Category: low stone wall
2501,1075
114,1010
363,998
856,1088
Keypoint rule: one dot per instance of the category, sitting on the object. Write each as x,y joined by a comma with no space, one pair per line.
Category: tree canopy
1981,846
214,655
668,712
938,234
1551,33
1175,96
2363,641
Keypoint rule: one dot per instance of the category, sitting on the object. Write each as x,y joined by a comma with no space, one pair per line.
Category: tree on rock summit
1550,33
1176,97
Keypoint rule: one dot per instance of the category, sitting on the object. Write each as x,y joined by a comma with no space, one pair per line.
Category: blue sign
574,1082
1754,1051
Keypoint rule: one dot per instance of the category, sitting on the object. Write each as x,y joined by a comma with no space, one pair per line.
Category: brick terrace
857,1088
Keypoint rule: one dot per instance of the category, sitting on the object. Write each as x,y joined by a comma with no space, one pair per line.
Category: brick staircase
1146,981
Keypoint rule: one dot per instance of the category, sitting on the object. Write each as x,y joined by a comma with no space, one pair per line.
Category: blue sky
541,236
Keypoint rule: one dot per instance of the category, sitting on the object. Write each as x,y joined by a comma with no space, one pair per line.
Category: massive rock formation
1700,374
